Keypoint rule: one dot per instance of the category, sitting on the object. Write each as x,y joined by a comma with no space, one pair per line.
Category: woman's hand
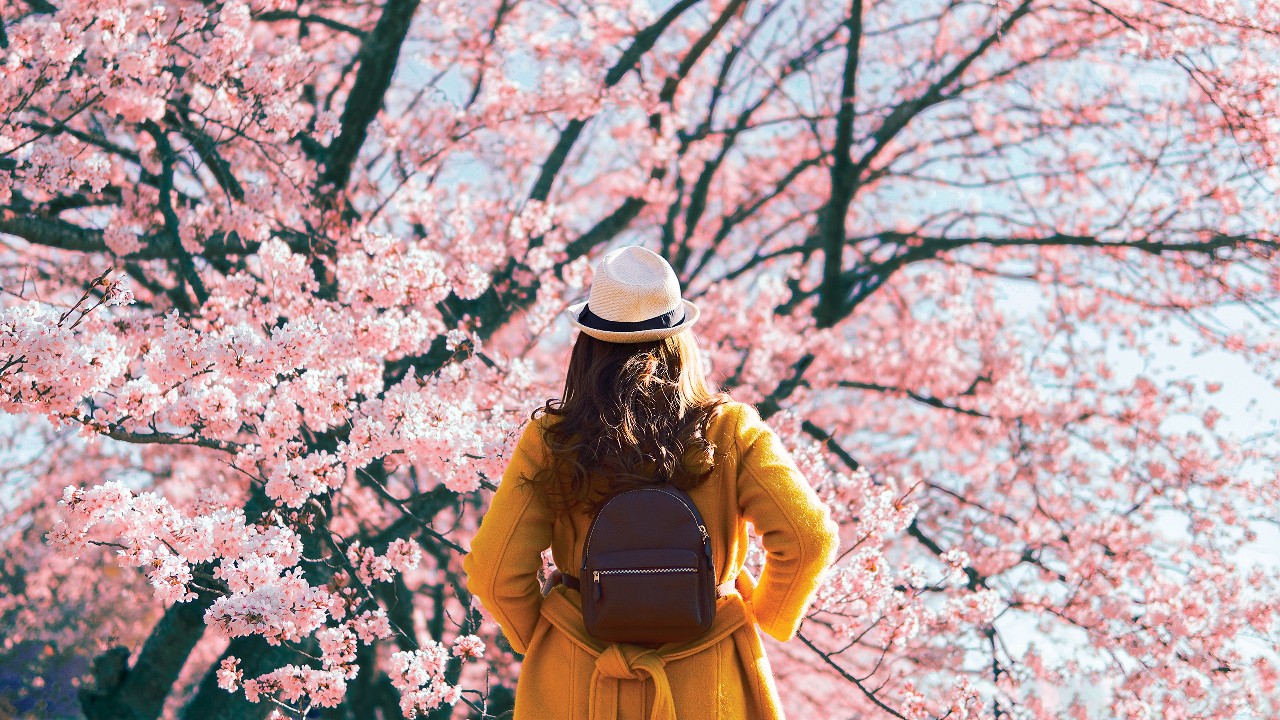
555,578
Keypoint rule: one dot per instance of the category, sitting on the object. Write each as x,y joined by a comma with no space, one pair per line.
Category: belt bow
621,662
629,662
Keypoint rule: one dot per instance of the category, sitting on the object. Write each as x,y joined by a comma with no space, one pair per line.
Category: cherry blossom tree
282,279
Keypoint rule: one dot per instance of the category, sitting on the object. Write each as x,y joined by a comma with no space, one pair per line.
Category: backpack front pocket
646,594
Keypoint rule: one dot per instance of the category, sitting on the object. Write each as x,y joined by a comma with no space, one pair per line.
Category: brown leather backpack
647,573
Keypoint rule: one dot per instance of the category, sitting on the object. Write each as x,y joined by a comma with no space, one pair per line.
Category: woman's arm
506,552
800,539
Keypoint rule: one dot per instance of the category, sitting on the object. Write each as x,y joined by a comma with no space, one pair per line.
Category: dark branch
643,42
60,234
378,57
843,183
926,399
277,15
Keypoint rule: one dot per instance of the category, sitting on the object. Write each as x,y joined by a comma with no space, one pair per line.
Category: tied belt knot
617,663
629,662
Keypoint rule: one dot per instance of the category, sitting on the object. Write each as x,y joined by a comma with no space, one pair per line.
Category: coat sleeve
799,537
506,552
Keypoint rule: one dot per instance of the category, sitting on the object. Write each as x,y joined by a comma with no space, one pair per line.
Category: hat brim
691,315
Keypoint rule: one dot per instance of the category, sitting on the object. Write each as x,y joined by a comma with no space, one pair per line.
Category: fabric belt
728,587
620,662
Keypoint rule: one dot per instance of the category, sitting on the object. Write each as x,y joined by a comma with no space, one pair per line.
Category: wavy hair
632,414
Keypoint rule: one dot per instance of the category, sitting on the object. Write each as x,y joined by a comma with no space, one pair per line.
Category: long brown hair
632,414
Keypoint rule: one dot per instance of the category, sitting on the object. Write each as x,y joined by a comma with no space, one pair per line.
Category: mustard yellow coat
722,675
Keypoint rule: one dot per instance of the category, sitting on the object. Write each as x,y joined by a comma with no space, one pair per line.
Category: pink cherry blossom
284,281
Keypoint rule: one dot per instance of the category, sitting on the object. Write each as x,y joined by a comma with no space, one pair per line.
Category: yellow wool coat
722,675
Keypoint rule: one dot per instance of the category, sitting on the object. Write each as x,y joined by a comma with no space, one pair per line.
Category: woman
637,410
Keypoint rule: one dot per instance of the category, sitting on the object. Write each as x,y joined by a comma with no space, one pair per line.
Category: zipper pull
597,588
703,529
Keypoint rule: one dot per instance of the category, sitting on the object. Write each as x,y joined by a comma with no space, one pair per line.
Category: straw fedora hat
634,297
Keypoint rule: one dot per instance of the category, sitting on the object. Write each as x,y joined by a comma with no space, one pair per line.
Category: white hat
635,297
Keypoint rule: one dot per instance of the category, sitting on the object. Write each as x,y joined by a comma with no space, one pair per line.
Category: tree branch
843,183
378,57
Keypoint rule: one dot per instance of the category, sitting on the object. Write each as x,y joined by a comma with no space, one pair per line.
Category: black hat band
665,320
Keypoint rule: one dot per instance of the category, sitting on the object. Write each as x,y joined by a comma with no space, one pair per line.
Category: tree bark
257,657
138,693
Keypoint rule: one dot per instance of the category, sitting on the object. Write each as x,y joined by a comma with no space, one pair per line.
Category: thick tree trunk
256,658
138,693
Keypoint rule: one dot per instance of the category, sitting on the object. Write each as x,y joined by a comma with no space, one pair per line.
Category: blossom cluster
153,535
259,588
420,675
401,556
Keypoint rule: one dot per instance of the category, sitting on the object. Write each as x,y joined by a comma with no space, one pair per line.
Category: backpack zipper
629,571
613,571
